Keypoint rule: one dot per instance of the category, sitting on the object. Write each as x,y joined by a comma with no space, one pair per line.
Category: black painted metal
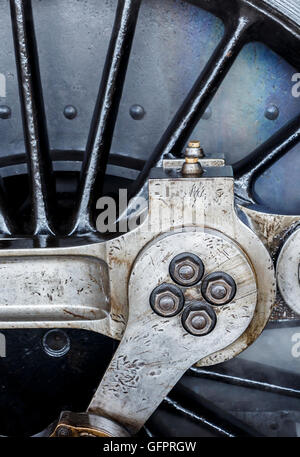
34,119
183,123
187,402
105,114
248,169
220,374
6,225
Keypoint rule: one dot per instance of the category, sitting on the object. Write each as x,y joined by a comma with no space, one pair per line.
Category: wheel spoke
203,91
6,225
33,114
193,405
224,375
105,113
248,169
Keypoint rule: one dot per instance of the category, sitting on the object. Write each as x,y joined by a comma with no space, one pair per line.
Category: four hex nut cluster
198,317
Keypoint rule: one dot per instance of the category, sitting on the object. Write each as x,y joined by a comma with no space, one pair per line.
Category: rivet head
137,112
272,112
70,112
5,112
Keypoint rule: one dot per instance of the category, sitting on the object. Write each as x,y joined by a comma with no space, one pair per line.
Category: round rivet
70,112
5,112
272,112
137,112
56,343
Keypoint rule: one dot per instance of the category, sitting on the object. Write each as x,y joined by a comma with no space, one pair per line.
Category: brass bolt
193,153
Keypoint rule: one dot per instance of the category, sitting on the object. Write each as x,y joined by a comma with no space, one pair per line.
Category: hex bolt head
199,319
218,288
167,300
186,269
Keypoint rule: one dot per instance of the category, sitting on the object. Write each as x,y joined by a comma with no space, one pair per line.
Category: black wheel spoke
257,378
248,169
6,225
33,115
202,411
200,96
105,113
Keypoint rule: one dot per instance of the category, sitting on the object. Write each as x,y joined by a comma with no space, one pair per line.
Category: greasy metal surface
126,391
34,121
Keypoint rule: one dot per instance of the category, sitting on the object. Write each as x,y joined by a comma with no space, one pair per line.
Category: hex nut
186,269
199,319
218,288
167,300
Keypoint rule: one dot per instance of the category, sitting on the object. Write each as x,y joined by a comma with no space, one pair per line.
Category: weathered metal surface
53,288
207,202
156,351
288,271
273,230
